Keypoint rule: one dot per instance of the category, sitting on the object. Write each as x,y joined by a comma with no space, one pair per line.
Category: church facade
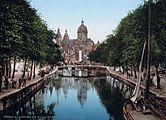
75,51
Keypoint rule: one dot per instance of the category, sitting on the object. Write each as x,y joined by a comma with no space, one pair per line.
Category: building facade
75,51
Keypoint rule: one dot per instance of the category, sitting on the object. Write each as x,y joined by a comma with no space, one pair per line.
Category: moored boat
128,106
132,111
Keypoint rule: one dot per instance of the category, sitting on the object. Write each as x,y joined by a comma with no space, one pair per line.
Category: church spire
66,36
58,37
58,30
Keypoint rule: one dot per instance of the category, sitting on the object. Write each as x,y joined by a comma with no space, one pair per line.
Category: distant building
75,51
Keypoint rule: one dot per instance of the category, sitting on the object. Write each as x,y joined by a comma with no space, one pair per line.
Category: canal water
69,98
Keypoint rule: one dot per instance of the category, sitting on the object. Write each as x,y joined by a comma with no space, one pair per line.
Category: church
75,51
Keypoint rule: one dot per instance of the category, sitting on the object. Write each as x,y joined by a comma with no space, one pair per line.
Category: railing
84,66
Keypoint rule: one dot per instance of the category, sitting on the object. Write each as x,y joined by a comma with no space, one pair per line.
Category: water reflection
113,96
72,98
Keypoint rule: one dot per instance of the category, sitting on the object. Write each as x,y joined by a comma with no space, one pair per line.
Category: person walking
19,82
24,81
6,82
14,82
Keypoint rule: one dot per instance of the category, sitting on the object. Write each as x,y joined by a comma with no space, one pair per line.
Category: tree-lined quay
24,37
124,46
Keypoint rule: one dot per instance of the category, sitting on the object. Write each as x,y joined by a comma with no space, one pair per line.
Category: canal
69,98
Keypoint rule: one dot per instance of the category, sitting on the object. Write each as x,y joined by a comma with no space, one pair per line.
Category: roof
89,40
69,42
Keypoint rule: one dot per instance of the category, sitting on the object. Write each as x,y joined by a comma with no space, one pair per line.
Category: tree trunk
131,70
24,67
2,64
135,72
31,71
114,68
9,65
158,77
127,72
34,68
6,67
14,67
0,80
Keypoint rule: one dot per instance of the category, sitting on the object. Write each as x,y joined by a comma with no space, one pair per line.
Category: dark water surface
75,99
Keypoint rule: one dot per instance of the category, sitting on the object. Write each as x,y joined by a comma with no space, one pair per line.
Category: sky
101,17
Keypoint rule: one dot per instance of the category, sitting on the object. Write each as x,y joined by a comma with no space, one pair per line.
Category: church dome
82,28
82,32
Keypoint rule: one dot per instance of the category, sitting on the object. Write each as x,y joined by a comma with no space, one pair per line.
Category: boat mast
146,96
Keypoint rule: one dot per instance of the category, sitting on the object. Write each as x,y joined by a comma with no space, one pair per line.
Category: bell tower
58,37
66,36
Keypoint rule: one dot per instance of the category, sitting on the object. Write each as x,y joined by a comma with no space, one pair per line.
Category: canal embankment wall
18,96
129,81
157,97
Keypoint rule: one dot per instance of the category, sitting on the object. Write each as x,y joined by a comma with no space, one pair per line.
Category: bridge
89,70
83,66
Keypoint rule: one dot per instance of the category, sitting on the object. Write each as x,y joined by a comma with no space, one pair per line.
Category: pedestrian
6,82
19,82
3,81
28,76
151,78
14,83
42,73
24,81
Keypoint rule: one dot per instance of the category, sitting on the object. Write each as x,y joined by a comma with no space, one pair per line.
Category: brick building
75,51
